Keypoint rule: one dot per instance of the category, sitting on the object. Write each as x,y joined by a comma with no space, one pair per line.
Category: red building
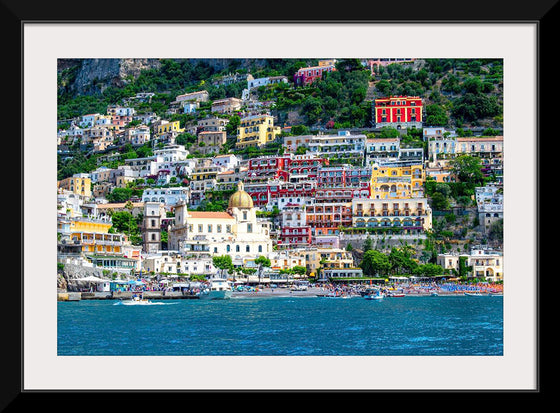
398,111
294,229
267,167
280,193
276,179
307,75
336,187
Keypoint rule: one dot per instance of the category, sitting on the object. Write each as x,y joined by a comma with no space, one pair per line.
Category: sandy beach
316,291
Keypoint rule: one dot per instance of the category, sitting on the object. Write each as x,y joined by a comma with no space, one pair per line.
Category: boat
376,296
135,300
434,294
395,295
217,289
473,294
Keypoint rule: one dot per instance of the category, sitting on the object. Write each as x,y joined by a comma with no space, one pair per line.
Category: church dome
240,199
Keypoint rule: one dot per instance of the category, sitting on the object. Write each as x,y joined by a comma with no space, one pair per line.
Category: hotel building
398,111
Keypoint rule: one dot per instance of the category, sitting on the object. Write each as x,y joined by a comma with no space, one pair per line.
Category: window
237,248
218,228
249,227
247,249
244,215
199,227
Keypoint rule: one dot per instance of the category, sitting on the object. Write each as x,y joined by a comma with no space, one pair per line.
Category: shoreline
265,292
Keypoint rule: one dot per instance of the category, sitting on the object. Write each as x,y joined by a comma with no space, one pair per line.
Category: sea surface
284,326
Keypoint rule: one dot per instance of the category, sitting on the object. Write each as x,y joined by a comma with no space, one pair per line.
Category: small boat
378,296
434,294
136,300
473,294
218,289
395,295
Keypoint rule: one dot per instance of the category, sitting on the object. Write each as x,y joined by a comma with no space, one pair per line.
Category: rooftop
210,215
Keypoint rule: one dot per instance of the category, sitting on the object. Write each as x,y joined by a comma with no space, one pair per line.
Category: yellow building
412,215
80,224
93,236
111,251
397,180
257,130
166,127
76,184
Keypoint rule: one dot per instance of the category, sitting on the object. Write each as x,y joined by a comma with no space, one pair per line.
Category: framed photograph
88,346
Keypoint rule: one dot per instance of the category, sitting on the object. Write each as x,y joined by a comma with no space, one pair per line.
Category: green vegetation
399,261
455,91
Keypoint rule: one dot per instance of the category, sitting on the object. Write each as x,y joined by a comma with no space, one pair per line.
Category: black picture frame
16,13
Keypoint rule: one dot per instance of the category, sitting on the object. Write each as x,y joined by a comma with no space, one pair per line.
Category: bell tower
151,234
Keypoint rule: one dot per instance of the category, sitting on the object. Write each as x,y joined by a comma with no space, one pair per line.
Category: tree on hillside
375,263
468,169
436,116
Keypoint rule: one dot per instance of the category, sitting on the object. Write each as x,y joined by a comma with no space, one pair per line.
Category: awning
91,279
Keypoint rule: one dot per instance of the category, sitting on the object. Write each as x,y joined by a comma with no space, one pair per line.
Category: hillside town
227,186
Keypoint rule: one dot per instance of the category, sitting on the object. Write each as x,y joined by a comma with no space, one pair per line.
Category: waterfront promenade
406,289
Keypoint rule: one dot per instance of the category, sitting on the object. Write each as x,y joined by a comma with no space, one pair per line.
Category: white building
89,120
167,196
172,153
173,262
235,232
70,135
490,204
227,161
437,132
344,144
139,135
486,263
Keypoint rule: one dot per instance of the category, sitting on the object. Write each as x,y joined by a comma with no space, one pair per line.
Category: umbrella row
92,278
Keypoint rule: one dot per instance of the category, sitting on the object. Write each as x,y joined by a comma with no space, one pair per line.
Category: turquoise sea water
291,326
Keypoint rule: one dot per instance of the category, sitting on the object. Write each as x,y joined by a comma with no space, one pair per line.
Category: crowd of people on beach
417,288
339,289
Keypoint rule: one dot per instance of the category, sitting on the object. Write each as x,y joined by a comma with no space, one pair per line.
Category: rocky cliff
92,76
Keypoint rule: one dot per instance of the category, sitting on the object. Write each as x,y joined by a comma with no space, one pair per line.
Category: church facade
234,232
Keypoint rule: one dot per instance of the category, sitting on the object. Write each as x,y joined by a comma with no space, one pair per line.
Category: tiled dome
240,199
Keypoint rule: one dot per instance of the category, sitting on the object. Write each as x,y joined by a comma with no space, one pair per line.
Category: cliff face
92,76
